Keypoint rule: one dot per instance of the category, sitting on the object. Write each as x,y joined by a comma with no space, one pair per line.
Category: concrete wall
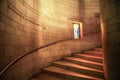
110,20
27,24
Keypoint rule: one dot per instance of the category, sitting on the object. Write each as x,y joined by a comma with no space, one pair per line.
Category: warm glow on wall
81,30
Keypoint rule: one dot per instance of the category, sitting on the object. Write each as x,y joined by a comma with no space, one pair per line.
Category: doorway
78,31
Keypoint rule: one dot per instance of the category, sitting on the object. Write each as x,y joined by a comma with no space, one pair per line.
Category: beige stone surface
43,76
111,20
28,24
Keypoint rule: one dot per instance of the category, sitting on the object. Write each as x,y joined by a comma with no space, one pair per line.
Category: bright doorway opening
78,30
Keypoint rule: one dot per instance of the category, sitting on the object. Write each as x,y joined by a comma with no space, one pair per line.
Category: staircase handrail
31,51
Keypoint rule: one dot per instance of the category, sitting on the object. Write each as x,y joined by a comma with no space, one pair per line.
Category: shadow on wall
90,16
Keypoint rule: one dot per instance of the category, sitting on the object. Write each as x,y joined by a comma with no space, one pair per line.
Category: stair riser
99,50
83,71
89,58
99,67
34,79
94,54
68,77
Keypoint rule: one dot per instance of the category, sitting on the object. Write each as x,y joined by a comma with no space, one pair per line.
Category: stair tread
34,79
76,66
97,57
83,60
43,76
68,72
94,52
98,49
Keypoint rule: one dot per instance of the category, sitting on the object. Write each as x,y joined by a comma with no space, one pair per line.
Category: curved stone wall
32,64
27,24
110,20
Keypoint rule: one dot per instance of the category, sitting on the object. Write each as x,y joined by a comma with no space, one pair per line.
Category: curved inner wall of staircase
110,20
27,24
34,62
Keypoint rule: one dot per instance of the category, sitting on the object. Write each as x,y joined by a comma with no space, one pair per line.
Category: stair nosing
86,61
94,52
91,56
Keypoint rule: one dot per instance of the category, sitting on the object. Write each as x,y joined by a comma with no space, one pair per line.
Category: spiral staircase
80,66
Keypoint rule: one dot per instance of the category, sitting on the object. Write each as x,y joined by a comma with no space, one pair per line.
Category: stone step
70,75
79,68
98,49
43,76
94,53
89,57
84,62
34,79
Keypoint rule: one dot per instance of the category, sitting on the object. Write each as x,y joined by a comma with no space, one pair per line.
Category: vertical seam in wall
117,6
119,27
7,7
117,3
1,13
